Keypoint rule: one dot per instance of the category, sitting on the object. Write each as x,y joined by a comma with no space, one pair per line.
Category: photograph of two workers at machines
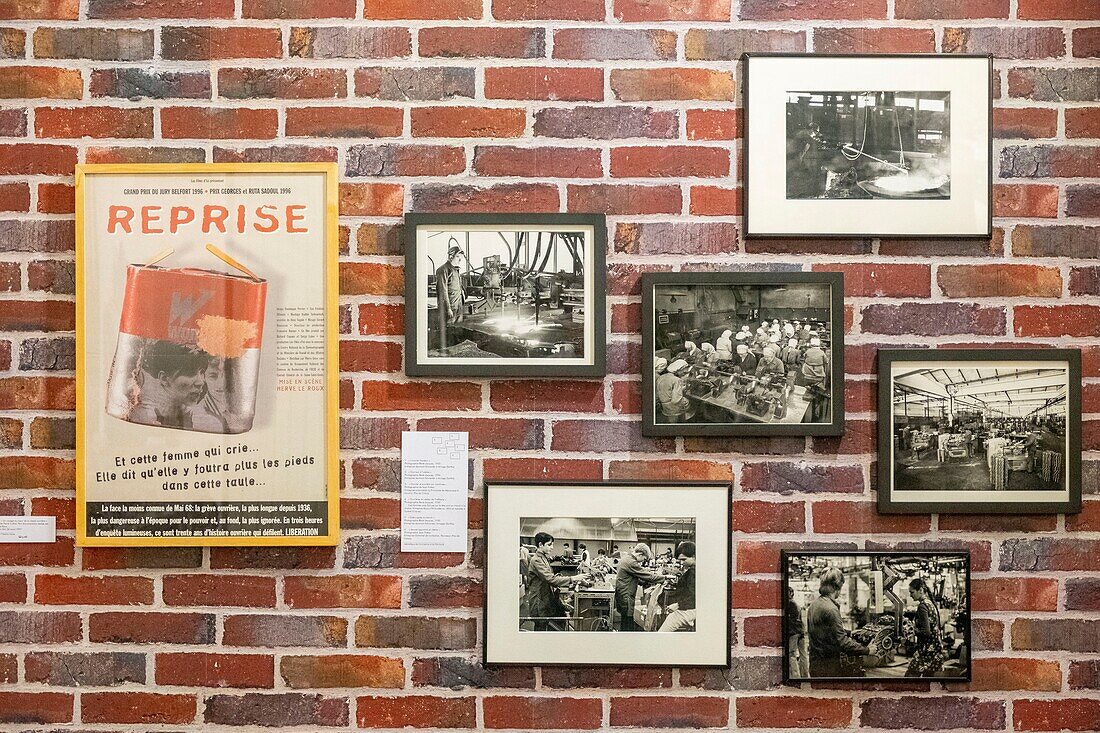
742,353
504,293
880,615
607,574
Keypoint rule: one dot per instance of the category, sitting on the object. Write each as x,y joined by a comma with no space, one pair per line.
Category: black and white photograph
873,145
607,574
980,430
742,353
876,616
639,572
868,145
517,295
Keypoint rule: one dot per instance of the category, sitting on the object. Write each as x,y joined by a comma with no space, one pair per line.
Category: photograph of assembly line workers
977,427
506,294
868,145
607,574
882,616
736,353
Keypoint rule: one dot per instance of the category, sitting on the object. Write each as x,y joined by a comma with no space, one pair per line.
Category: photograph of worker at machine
876,616
728,353
868,145
507,295
607,574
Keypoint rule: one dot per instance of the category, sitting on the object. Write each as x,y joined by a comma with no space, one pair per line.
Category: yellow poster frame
332,355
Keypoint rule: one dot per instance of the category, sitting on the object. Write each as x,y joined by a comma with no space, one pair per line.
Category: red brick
1061,320
13,588
15,197
467,122
249,83
1082,122
218,123
13,122
950,9
415,711
626,398
669,161
146,708
715,201
371,199
1006,43
92,591
874,40
571,84
633,85
673,10
1055,715
606,123
342,670
218,590
360,42
601,44
268,558
56,198
28,82
1013,523
811,10
344,591
1015,594
415,10
1057,10
543,713
40,10
371,278
1024,122
147,627
1084,281
491,432
1086,42
1025,200
889,281
1014,673
298,9
670,469
546,396
135,9
344,122
381,319
420,396
1083,200
36,707
793,712
63,510
370,356
39,393
623,199
98,122
1088,519
860,517
670,712
993,281
761,594
200,669
537,162
504,197
768,516
548,9
511,469
713,124
481,42
207,43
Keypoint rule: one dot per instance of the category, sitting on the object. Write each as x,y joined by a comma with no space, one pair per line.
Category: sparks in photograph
868,145
876,616
607,574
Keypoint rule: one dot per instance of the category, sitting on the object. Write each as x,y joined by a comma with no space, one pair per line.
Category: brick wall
623,106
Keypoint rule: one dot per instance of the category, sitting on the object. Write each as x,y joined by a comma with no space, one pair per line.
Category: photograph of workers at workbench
879,145
607,574
638,571
984,429
868,145
742,353
882,616
506,295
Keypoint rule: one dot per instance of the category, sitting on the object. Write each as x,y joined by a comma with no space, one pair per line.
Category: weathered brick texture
627,107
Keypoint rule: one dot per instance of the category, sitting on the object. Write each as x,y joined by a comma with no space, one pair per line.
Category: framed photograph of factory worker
884,145
743,353
982,431
615,573
207,354
505,295
876,616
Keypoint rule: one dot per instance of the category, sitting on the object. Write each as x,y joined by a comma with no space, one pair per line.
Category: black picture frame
596,485
835,281
889,503
747,229
784,568
596,367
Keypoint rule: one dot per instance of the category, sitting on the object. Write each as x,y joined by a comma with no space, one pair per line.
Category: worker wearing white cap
660,365
669,389
710,356
769,363
815,365
791,355
724,346
692,354
745,359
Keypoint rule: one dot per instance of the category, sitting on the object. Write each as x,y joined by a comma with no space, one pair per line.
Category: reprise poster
207,365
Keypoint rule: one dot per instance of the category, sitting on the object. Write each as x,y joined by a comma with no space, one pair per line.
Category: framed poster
743,353
634,573
876,616
979,431
518,295
207,372
883,145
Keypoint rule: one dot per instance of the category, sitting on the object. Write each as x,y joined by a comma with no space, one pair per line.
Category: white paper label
435,476
28,529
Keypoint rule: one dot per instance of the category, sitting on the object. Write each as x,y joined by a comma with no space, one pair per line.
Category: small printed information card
28,529
435,479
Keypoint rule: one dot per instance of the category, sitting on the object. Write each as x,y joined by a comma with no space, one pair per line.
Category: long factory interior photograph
742,353
876,615
607,574
495,293
980,429
869,145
